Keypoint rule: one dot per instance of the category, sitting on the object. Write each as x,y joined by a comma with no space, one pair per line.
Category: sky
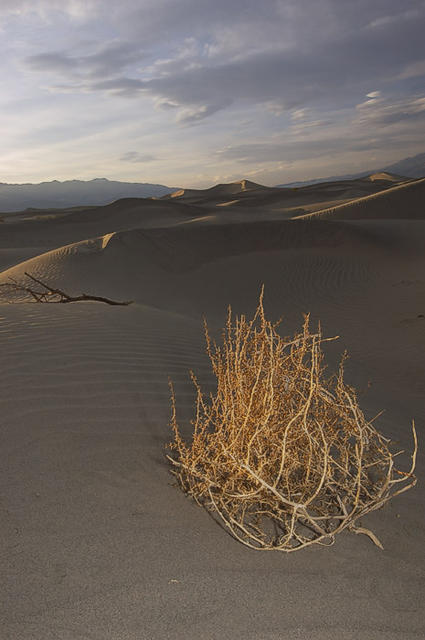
189,93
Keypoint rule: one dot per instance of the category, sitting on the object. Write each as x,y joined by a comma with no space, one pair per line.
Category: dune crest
388,177
404,201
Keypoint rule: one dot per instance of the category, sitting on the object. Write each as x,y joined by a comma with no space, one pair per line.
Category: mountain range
413,167
101,191
55,194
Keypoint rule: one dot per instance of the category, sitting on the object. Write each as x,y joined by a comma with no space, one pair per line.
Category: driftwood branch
53,295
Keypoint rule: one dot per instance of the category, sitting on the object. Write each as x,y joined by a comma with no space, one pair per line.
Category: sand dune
248,197
98,543
49,227
404,201
132,263
218,190
388,177
31,233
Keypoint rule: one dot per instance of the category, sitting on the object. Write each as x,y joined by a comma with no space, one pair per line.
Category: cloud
107,60
166,105
309,77
397,17
292,79
75,9
382,113
291,151
126,87
283,74
185,56
413,70
299,115
136,156
270,151
378,123
56,62
192,115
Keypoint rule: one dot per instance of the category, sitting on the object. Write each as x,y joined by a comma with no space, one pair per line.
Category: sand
97,542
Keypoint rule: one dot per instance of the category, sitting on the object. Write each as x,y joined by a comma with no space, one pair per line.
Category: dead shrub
281,453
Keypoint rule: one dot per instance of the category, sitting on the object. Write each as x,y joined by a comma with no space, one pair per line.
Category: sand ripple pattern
84,366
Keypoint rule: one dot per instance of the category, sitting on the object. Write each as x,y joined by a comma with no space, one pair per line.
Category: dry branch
281,454
50,294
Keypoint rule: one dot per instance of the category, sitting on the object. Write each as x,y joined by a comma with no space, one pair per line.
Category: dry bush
281,453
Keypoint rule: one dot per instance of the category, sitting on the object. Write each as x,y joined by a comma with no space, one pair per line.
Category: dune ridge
404,201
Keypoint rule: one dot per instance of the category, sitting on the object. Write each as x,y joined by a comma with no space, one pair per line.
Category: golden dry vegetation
281,453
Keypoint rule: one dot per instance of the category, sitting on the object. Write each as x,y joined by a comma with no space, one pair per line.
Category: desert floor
97,542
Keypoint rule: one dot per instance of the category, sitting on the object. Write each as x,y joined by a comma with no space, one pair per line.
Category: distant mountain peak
72,193
412,167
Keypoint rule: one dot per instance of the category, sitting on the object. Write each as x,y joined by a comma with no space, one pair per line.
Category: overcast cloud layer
193,92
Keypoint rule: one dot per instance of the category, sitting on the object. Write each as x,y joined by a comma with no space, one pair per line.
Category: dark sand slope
250,197
97,543
30,233
405,201
217,191
54,228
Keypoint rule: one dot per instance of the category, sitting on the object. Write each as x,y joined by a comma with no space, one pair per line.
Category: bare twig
53,295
